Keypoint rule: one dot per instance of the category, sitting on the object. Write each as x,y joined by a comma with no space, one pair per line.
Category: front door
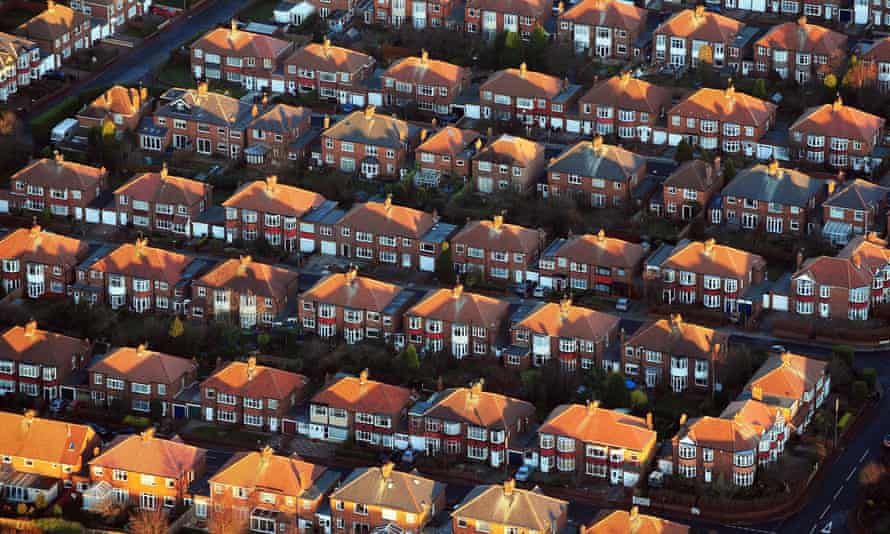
687,212
208,413
273,424
406,260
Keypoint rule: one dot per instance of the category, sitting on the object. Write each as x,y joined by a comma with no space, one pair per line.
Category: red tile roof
360,394
57,173
879,51
35,245
511,150
803,37
477,407
457,306
607,13
448,140
522,82
531,8
268,196
244,275
125,101
676,336
621,522
728,435
247,379
496,235
424,71
141,261
30,345
708,258
138,364
787,376
835,272
701,25
562,319
626,92
386,218
351,291
839,120
266,471
160,187
327,58
146,454
505,504
726,105
48,440
592,424
234,42
601,250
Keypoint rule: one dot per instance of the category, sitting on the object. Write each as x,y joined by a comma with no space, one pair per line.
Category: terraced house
278,135
506,508
597,442
852,208
431,84
507,163
577,337
159,202
59,30
672,351
491,17
21,64
40,262
265,209
448,152
136,377
139,278
143,470
385,233
356,407
456,322
356,307
197,120
597,174
246,292
725,120
688,190
496,250
695,36
121,106
624,106
64,187
36,362
333,72
380,497
469,423
244,393
276,493
839,135
771,199
532,98
709,274
239,56
591,262
365,142
801,51
604,28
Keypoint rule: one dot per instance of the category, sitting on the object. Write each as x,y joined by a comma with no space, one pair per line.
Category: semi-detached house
431,84
502,508
239,56
596,174
841,136
64,187
694,36
36,362
40,262
624,106
532,98
157,201
369,143
606,28
491,17
333,72
496,249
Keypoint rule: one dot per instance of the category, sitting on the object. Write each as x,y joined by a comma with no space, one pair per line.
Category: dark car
100,430
54,75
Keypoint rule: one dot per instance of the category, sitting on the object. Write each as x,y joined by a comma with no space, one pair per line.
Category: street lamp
837,406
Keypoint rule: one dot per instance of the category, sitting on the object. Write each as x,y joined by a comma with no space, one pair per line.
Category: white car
623,304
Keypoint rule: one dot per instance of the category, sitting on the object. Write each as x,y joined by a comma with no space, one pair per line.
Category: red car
166,12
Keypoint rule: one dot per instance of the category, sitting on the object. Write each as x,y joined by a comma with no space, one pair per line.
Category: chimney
509,486
633,519
254,111
351,274
164,171
440,384
601,236
523,69
457,291
683,419
386,470
202,88
363,377
676,322
271,183
592,406
243,263
716,167
838,103
622,336
802,21
58,156
369,112
233,26
147,434
497,221
709,246
490,132
699,11
424,57
326,46
50,5
799,258
423,134
561,7
142,349
856,260
773,167
267,452
649,423
387,204
326,123
265,100
29,417
30,328
597,143
35,229
141,244
251,368
565,305
757,393
143,95
872,237
478,144
729,92
476,388
830,185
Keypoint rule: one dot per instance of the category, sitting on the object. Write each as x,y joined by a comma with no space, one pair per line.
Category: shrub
638,398
136,422
58,526
844,422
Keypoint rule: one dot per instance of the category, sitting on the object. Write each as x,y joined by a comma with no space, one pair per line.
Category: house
532,98
332,72
598,442
508,162
448,152
503,507
597,174
875,256
334,7
708,449
491,17
110,15
715,276
771,199
139,278
59,30
688,190
136,377
271,211
869,13
356,407
197,120
64,187
798,383
280,493
604,29
801,51
768,420
632,521
278,135
878,55
688,355
159,202
833,287
456,322
247,292
724,120
294,13
40,262
22,63
239,56
574,336
36,362
839,135
244,393
469,423
496,250
356,307
624,106
374,497
852,208
38,453
430,84
375,145
591,262
121,106
143,470
386,233
693,36
419,14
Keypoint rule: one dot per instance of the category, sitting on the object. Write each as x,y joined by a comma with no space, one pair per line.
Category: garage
307,246
427,264
329,248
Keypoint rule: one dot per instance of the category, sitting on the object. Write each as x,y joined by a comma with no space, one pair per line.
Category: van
63,130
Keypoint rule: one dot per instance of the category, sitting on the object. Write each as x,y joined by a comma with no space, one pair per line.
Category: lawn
233,437
261,11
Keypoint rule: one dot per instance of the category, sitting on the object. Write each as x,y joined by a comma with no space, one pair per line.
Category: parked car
408,456
539,292
54,75
623,304
101,431
523,473
58,405
778,348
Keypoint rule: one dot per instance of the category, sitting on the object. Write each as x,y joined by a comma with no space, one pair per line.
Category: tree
537,49
511,56
638,399
616,394
684,152
263,339
225,521
176,328
445,266
149,522
156,407
410,359
759,90
729,171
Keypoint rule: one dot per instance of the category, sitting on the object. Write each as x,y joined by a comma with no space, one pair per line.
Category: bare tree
226,521
149,522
